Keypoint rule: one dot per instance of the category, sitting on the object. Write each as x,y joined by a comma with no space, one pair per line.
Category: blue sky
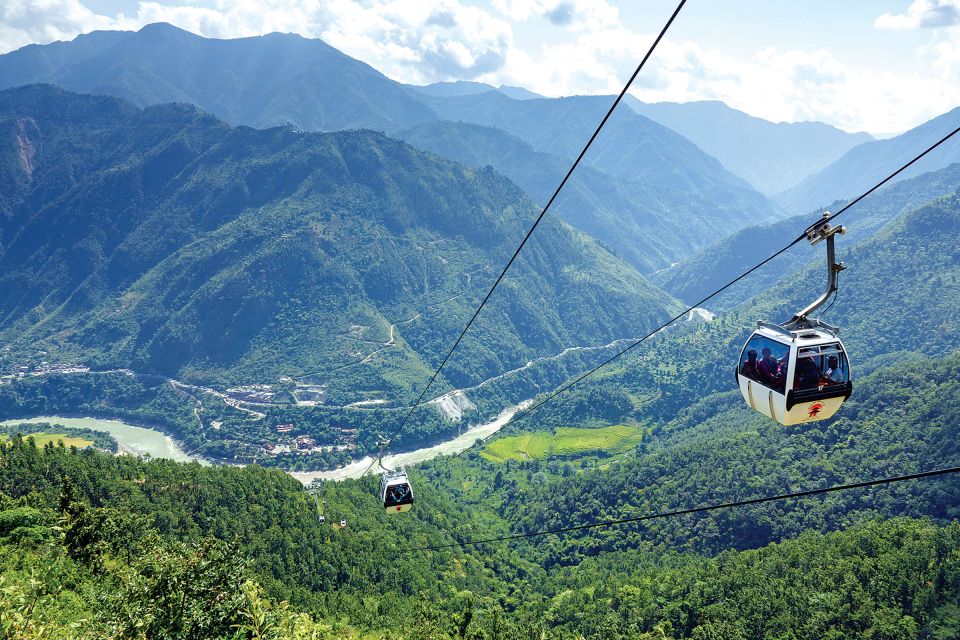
874,65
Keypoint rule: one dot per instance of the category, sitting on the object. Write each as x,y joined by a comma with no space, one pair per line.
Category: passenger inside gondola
830,362
808,375
751,366
770,369
397,494
834,374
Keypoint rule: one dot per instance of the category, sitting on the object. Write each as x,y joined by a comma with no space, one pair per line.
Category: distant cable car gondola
798,371
396,491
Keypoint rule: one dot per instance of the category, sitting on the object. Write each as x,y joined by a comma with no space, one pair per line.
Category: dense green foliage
893,580
702,273
621,213
94,546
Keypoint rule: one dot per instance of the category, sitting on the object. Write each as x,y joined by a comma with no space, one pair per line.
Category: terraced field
566,441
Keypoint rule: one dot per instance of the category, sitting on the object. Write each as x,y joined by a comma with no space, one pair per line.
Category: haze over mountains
771,157
866,164
261,82
703,272
279,79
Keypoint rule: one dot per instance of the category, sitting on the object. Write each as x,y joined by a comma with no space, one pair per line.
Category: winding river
132,440
455,445
135,440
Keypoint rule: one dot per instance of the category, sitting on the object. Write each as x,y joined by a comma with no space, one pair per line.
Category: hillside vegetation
196,250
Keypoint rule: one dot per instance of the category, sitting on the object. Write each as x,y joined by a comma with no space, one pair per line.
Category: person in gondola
398,493
769,368
751,367
833,373
808,376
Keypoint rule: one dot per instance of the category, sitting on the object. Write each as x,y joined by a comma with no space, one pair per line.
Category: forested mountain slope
901,419
282,78
772,157
262,81
865,164
186,247
706,446
630,217
714,266
630,147
129,546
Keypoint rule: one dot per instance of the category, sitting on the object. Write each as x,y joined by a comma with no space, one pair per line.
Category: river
131,439
455,445
145,441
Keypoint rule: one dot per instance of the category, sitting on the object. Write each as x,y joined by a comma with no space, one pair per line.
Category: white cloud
922,13
24,22
577,15
422,41
797,85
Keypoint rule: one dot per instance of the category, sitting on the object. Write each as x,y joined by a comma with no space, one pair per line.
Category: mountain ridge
866,163
244,238
771,156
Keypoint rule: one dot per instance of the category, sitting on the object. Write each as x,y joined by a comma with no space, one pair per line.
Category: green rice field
566,441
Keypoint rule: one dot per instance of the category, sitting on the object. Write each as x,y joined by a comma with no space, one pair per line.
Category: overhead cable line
743,275
529,233
710,507
891,176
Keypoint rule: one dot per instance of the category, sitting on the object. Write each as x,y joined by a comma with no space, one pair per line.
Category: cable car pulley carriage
798,371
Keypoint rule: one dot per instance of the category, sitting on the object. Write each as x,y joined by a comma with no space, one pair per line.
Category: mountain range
701,273
187,247
285,79
772,157
868,163
262,81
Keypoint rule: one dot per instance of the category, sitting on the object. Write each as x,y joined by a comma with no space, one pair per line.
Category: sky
881,66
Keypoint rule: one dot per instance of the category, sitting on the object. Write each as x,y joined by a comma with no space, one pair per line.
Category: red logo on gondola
815,409
399,508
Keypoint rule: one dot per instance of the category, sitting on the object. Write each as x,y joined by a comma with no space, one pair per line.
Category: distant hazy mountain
712,267
630,147
468,88
772,157
865,165
166,240
448,89
518,93
261,81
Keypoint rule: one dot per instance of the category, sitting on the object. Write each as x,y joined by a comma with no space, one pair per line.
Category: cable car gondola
798,371
396,491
